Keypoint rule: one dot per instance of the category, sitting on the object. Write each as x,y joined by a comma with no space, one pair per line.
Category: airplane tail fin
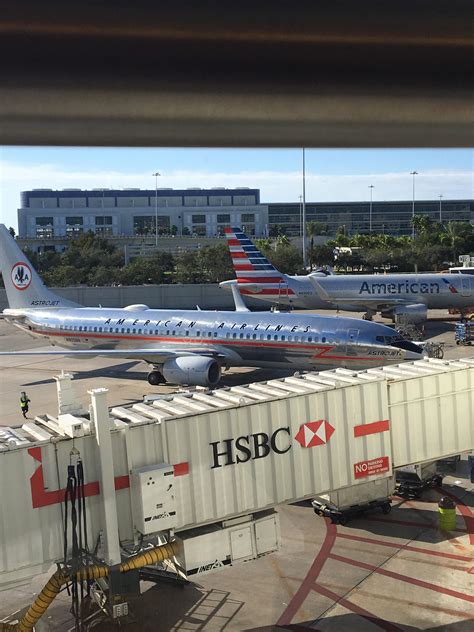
23,286
255,274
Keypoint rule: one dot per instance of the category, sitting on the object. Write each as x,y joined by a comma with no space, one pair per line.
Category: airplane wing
148,355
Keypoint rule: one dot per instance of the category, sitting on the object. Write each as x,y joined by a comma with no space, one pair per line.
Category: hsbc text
250,447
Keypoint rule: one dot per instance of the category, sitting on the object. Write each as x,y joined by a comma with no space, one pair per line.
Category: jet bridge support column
107,484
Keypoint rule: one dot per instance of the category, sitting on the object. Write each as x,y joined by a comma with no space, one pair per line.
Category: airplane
393,295
190,346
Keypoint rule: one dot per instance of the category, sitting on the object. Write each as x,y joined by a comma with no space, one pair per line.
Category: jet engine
412,313
192,370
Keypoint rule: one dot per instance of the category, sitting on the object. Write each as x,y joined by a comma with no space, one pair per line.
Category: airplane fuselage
435,291
259,339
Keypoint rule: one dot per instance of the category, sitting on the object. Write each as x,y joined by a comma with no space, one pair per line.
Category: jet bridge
213,464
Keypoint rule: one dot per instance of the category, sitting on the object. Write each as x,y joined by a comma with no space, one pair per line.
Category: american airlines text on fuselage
407,286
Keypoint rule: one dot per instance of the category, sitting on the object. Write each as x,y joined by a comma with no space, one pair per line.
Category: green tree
215,263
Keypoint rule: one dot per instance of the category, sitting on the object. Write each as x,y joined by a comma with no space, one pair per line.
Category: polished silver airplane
191,346
392,295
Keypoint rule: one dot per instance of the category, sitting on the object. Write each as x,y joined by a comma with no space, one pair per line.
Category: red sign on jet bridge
372,467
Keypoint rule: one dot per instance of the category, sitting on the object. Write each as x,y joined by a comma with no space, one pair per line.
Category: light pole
440,209
304,213
371,186
156,207
413,173
301,211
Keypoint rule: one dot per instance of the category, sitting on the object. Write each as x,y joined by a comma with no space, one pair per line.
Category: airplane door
465,287
352,336
351,340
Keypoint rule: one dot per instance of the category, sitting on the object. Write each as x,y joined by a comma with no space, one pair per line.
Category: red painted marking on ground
403,578
313,573
372,428
464,511
408,523
381,623
406,547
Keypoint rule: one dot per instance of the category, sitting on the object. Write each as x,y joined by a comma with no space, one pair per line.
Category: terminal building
48,218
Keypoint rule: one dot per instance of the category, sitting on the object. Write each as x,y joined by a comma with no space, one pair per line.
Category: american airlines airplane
392,295
191,346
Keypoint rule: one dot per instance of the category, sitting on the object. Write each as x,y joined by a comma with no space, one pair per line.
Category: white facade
48,214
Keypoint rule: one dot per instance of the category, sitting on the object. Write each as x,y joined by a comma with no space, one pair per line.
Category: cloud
275,186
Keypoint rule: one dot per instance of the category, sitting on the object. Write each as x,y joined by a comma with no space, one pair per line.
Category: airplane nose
416,355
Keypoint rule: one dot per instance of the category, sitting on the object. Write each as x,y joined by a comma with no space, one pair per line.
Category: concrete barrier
173,296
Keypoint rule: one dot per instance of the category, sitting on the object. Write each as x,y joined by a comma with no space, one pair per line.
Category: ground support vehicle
342,515
464,333
411,481
347,503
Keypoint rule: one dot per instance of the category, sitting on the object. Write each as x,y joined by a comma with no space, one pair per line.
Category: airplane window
95,328
283,337
215,334
227,335
310,339
262,337
290,338
128,331
139,331
134,331
186,333
80,328
116,330
241,336
100,329
174,332
198,333
209,335
323,339
167,332
269,337
248,336
234,335
296,339
254,336
275,337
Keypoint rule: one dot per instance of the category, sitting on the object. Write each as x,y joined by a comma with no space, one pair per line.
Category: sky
332,175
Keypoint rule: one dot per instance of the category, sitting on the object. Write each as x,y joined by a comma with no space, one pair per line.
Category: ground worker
24,401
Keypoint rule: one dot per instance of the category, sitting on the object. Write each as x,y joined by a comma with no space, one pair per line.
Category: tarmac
395,572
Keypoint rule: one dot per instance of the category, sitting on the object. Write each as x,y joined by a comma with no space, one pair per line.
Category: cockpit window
399,342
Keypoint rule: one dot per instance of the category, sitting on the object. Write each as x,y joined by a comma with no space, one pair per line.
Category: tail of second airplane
24,287
255,274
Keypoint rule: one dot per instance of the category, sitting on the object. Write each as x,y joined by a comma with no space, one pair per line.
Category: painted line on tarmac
407,547
403,578
409,523
381,623
313,573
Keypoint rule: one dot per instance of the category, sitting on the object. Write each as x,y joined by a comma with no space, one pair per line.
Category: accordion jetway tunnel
194,478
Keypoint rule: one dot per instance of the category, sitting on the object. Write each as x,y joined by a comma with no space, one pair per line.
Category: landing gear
155,378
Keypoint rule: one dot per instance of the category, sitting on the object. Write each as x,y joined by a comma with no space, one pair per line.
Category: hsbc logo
260,444
314,433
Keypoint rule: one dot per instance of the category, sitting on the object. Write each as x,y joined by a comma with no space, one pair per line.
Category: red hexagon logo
314,433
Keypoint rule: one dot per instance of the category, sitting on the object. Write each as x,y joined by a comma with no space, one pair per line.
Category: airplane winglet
240,305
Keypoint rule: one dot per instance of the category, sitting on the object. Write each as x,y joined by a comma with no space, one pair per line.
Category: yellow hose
58,579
